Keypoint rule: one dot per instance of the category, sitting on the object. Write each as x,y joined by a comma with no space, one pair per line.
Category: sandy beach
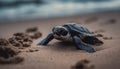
58,55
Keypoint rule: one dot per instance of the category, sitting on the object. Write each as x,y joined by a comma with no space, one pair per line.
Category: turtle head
60,31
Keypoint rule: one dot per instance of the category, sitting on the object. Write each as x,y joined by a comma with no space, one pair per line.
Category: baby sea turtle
77,33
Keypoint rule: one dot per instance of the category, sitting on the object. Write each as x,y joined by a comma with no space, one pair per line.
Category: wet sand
58,55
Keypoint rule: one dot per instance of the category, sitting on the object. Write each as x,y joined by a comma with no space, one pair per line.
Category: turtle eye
57,33
60,31
64,33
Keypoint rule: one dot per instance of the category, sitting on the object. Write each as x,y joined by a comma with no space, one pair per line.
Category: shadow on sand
69,46
62,46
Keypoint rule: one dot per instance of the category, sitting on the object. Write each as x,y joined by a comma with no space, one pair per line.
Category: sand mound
33,33
33,29
107,38
36,35
83,64
25,39
13,60
8,54
20,40
32,50
8,51
10,48
3,42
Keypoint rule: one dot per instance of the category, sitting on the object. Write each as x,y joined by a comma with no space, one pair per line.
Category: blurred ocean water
27,9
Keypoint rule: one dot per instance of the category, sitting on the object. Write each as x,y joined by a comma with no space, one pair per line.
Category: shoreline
60,17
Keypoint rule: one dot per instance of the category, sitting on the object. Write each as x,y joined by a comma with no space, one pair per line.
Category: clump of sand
32,50
20,39
13,60
107,38
33,29
98,33
25,39
83,64
33,33
3,42
10,49
8,53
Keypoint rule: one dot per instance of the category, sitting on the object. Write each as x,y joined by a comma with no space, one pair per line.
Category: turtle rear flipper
82,46
92,40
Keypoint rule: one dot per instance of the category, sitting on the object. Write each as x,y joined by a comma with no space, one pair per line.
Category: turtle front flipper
47,39
81,45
